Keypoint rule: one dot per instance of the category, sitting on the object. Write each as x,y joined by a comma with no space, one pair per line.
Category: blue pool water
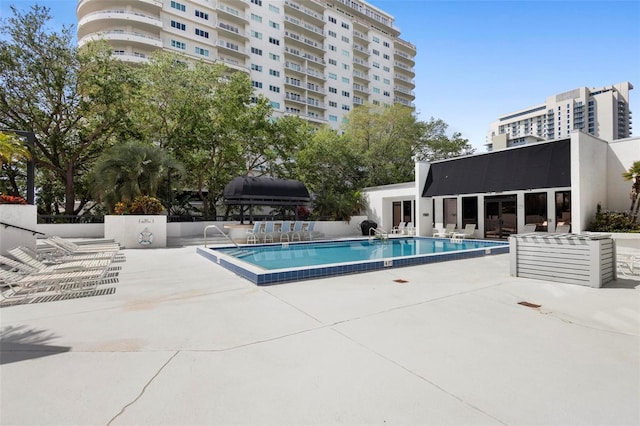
312,254
276,263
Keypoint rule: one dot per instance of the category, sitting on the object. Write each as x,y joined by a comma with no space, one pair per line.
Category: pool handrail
219,230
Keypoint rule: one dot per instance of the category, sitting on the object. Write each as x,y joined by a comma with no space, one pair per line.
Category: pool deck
184,341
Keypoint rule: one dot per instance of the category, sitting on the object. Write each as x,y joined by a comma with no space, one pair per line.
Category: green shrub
143,204
607,221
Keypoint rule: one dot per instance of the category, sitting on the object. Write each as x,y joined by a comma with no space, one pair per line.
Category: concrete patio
184,341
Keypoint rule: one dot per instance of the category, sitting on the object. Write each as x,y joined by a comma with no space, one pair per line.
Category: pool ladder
219,230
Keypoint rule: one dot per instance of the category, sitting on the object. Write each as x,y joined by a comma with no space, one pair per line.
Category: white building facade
548,184
317,59
602,112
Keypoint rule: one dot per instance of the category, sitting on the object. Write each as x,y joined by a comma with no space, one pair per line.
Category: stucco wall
588,179
621,155
380,199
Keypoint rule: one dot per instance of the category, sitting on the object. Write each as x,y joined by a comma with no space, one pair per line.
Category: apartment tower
602,112
314,58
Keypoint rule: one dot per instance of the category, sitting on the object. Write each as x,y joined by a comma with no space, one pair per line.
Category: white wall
380,199
588,179
71,230
620,156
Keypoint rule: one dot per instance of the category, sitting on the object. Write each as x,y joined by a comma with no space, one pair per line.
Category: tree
74,101
434,144
332,171
129,170
633,175
13,152
385,136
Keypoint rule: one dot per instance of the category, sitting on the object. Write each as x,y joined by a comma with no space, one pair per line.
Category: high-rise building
314,58
602,112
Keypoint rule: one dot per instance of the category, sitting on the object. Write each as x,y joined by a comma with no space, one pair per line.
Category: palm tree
129,170
10,147
633,174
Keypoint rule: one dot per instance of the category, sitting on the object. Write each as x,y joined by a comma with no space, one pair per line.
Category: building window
376,65
333,62
345,39
203,52
332,34
346,66
385,93
333,104
274,8
563,208
274,73
345,80
256,18
256,51
202,15
178,25
386,81
275,105
346,107
179,6
345,53
332,76
345,25
202,33
332,20
274,41
178,44
346,94
376,77
376,39
332,48
535,210
376,52
256,84
274,89
385,56
385,43
274,25
256,34
256,67
469,210
333,90
257,2
376,90
333,118
274,56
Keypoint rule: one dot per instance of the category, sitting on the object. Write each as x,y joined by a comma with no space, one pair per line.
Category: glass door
501,219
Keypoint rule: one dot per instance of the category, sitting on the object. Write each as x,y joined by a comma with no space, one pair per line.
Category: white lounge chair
268,232
399,229
285,230
296,232
529,228
252,234
71,265
467,232
410,229
445,233
563,229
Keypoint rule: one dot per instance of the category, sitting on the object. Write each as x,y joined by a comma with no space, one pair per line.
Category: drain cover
529,305
400,280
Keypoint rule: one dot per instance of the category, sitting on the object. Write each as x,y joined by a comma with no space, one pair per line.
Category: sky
478,60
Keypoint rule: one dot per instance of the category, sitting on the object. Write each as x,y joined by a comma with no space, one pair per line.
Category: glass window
469,210
535,210
563,208
450,210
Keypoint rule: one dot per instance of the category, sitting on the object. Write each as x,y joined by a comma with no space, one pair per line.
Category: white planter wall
24,216
137,231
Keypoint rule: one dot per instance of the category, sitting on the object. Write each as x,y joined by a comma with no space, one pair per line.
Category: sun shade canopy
544,165
265,191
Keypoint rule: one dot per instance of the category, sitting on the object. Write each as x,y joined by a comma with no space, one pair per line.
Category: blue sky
478,60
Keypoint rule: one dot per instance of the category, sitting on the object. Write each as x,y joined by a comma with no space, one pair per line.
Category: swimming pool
276,263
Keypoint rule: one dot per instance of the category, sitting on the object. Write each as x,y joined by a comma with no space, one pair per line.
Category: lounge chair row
281,231
61,266
404,228
450,231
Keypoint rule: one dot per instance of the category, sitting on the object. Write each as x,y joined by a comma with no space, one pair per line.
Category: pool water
312,254
285,262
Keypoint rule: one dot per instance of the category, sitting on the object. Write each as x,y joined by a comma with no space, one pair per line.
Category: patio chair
563,229
82,248
252,234
529,228
399,229
307,230
467,232
628,264
447,232
71,265
296,231
410,229
268,232
285,230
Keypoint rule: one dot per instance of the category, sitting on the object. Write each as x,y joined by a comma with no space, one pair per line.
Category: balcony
360,88
299,10
231,13
135,58
295,97
232,48
293,82
102,20
360,36
398,54
310,30
305,41
360,62
232,31
124,37
87,6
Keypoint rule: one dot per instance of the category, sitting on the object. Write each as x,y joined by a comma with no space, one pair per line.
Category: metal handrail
378,232
219,230
6,225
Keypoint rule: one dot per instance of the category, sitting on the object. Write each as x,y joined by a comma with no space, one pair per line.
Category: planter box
23,216
137,231
587,260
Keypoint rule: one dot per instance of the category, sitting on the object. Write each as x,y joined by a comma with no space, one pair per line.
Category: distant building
603,113
317,59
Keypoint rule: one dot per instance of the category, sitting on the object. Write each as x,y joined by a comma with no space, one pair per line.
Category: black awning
265,191
543,165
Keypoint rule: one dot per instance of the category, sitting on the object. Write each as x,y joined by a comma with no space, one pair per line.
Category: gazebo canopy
265,191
